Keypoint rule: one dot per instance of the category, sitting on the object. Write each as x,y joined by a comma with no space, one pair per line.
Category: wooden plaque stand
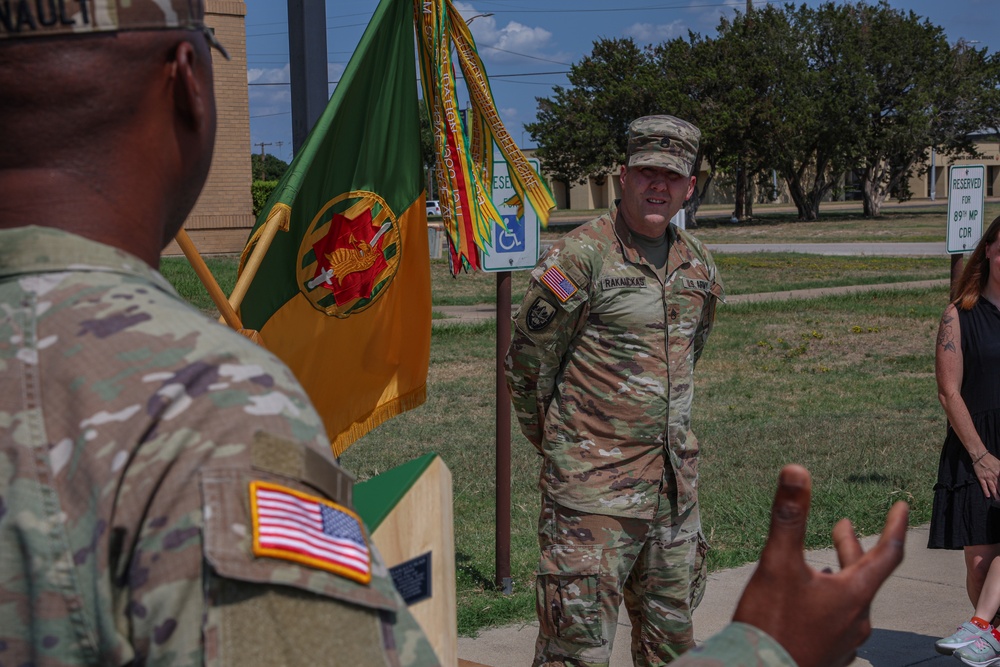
408,509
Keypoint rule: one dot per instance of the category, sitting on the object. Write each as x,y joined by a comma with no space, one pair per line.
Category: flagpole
208,280
270,228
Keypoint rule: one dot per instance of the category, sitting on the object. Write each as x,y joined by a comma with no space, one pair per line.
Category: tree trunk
741,187
691,209
799,198
872,198
692,205
874,191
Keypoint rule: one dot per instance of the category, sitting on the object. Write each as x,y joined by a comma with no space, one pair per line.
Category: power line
524,55
616,9
460,78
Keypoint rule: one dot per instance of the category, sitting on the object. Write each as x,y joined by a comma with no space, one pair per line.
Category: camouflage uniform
131,428
600,371
737,645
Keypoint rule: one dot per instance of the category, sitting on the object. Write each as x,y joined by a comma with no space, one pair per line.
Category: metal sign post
514,248
965,214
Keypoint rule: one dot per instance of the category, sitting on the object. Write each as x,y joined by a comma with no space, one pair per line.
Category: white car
433,207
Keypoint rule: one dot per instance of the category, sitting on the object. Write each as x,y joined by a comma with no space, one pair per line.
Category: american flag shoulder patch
556,280
295,526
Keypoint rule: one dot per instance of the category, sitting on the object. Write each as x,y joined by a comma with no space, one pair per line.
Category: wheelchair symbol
511,239
507,240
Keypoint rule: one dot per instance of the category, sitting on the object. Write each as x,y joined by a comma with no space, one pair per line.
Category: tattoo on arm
946,337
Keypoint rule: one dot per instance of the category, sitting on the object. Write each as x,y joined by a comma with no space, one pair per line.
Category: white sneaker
982,652
967,633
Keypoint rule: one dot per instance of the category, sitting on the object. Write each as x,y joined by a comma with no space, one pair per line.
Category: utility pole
279,144
260,167
307,60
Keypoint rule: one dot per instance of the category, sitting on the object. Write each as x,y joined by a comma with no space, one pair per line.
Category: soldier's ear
193,97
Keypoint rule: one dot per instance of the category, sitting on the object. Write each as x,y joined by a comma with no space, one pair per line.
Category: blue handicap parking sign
511,240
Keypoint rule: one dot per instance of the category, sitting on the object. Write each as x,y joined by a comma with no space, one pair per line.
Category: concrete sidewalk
923,600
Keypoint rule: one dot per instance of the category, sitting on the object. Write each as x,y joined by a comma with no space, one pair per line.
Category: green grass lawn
842,385
741,274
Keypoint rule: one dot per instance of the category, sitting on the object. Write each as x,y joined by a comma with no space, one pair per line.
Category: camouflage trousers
591,563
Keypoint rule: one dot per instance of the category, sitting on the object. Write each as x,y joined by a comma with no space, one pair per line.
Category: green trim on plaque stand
374,498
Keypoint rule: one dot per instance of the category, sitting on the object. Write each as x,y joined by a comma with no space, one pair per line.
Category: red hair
977,270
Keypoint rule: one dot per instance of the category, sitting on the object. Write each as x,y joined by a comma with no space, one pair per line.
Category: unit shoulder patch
539,315
310,530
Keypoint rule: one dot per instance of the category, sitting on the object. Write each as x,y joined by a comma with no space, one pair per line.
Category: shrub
261,191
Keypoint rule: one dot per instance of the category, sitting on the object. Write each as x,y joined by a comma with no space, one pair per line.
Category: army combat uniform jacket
150,460
601,367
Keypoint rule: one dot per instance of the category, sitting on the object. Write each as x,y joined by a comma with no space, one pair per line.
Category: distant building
936,180
222,217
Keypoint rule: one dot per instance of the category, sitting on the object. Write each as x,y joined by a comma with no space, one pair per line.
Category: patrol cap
663,141
52,18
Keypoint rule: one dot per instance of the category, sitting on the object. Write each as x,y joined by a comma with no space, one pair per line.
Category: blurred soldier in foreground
167,492
601,373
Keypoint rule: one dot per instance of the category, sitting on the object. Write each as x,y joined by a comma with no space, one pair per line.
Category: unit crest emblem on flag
350,253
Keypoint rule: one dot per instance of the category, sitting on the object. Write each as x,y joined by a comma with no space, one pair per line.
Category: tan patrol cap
663,141
51,18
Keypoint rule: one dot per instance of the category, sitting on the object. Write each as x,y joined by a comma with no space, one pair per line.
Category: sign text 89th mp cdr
965,207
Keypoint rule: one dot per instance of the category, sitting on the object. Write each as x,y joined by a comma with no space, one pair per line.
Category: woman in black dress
966,512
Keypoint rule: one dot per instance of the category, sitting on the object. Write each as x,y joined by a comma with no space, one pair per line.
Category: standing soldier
601,372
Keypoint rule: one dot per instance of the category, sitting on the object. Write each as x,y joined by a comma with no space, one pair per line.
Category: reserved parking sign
514,248
965,207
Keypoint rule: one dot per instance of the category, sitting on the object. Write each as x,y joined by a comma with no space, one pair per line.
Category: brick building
223,215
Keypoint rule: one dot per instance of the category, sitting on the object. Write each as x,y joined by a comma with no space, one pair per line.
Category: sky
528,46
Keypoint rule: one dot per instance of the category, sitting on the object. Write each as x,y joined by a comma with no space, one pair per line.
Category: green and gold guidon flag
464,146
343,293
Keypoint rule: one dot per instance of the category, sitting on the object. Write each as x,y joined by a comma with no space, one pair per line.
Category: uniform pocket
568,597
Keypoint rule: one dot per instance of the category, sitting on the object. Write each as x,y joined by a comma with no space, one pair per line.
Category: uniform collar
680,252
35,249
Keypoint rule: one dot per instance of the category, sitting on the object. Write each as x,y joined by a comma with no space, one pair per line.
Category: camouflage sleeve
707,321
252,605
544,327
737,645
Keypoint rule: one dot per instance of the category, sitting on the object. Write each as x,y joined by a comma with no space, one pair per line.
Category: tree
267,167
923,93
755,63
819,134
809,92
583,129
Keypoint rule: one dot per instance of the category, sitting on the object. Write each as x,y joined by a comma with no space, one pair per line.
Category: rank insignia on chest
539,315
674,313
313,531
556,280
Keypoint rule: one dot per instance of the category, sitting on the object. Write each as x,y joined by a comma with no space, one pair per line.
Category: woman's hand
987,469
